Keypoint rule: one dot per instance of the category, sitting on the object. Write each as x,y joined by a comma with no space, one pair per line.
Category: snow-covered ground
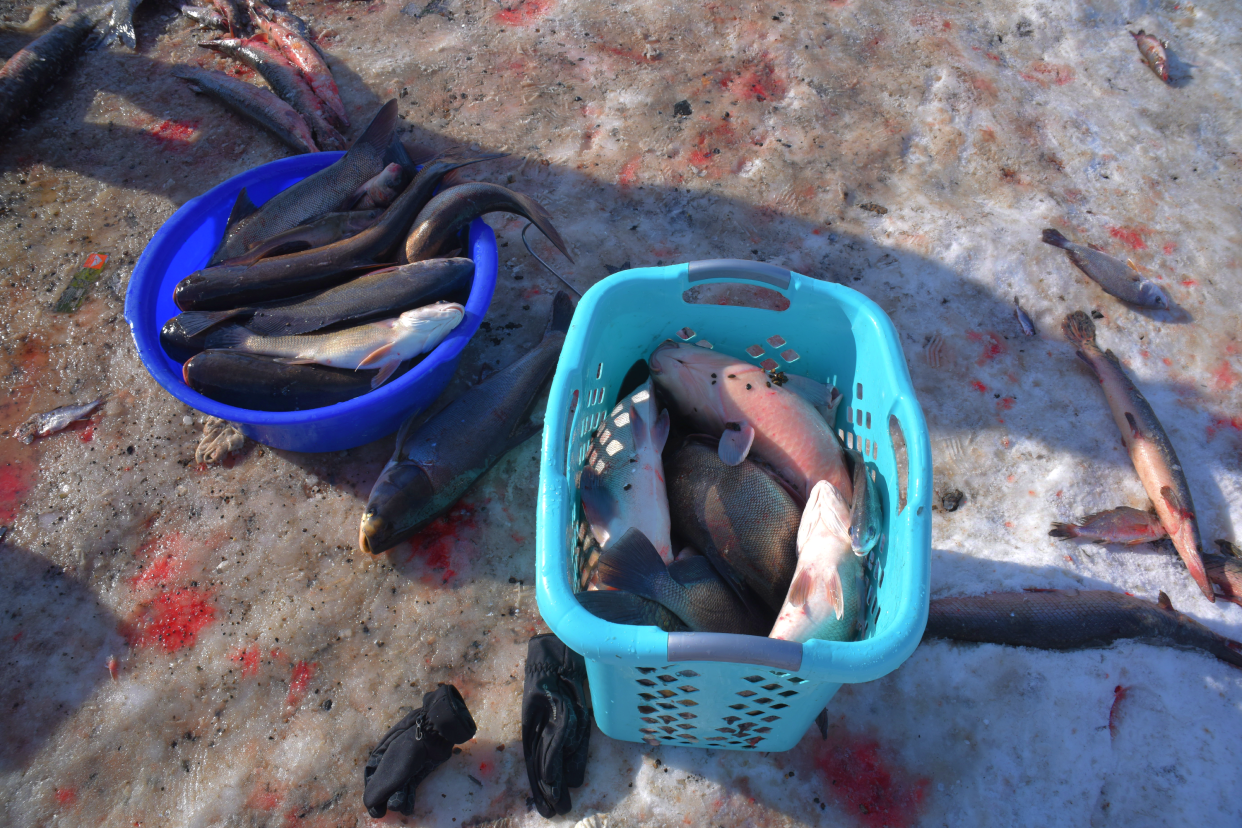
260,655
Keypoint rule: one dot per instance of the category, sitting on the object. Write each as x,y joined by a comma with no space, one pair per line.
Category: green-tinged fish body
317,194
690,588
285,81
1150,449
1124,525
383,345
866,510
1057,619
445,215
327,229
626,608
739,517
378,294
1116,277
281,277
253,103
260,383
436,463
27,76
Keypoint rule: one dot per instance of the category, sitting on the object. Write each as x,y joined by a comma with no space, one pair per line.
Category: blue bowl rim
183,222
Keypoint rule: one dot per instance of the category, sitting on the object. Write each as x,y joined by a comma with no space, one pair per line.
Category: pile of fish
303,108
338,282
742,473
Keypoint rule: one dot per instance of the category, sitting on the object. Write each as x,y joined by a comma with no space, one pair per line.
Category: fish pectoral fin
1175,503
1135,432
735,443
376,357
799,590
835,594
1164,602
659,434
385,372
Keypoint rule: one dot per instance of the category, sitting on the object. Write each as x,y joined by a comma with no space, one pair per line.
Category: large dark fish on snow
1153,51
439,223
1151,452
26,78
379,294
280,277
325,230
690,588
262,384
436,463
286,82
253,103
315,195
1117,278
1057,619
739,517
626,608
1124,525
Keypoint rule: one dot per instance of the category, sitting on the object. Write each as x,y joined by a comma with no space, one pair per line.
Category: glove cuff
447,716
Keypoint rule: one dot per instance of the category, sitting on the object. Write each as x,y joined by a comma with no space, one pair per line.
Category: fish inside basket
720,690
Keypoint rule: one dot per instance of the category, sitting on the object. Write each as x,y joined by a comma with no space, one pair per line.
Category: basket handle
735,269
735,649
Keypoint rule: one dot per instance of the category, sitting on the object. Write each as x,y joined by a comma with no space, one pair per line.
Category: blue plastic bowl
185,243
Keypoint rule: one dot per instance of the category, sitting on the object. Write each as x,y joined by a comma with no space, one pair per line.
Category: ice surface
911,151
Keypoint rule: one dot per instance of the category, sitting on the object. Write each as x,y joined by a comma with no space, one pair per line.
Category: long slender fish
623,481
691,589
383,345
260,383
1117,278
27,77
1124,525
436,463
253,103
1151,452
325,230
1055,619
445,215
285,81
381,293
1152,49
626,608
315,195
279,277
303,56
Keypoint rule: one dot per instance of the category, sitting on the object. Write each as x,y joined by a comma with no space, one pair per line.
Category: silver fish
1117,278
1028,327
58,419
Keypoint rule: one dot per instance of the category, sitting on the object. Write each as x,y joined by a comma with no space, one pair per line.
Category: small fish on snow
1153,51
58,419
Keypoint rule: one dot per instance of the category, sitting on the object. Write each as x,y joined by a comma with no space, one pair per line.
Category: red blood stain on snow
303,672
248,658
864,781
173,135
166,556
171,620
265,798
88,431
486,768
1045,73
978,386
1169,247
435,543
756,80
1005,404
663,251
629,172
523,14
1221,423
1224,376
66,796
1132,237
1119,695
637,57
1190,283
16,480
993,345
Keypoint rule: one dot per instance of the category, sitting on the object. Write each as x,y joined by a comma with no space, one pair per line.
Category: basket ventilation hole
686,334
646,708
703,343
868,419
688,703
859,395
737,707
901,458
646,682
776,341
686,688
646,671
769,364
781,706
768,719
858,416
688,674
755,350
789,355
753,679
747,693
919,512
666,679
868,446
849,440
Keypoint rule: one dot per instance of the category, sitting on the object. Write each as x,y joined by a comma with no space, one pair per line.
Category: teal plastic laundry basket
715,690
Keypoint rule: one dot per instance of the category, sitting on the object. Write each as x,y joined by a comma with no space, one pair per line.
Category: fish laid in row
253,103
259,383
27,76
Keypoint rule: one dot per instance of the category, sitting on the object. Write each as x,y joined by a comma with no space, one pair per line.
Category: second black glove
556,725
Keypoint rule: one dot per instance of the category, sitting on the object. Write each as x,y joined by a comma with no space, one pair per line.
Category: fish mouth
372,524
666,345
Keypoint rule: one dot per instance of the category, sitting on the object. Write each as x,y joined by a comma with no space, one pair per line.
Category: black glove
411,750
556,726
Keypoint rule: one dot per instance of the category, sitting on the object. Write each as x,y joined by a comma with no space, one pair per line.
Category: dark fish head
1151,296
401,502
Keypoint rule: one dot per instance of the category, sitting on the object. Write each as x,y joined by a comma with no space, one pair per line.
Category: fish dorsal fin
243,208
1164,602
735,443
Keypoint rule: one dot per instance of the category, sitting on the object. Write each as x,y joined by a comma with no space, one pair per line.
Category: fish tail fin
398,153
1063,530
626,608
1079,329
632,564
542,219
377,137
562,314
1055,238
195,322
